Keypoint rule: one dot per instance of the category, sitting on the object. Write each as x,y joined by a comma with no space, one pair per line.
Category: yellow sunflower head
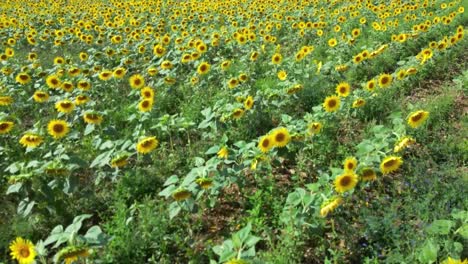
137,81
343,89
368,174
30,140
416,119
331,104
265,143
350,164
390,164
58,128
203,68
345,182
23,251
40,96
146,145
248,103
280,137
65,106
6,126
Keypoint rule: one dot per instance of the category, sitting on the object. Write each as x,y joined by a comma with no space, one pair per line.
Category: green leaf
171,180
14,188
174,210
244,233
463,231
440,227
252,240
212,150
428,253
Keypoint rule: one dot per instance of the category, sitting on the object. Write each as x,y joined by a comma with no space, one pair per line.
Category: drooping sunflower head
330,205
280,137
119,161
58,128
204,183
223,153
23,251
350,164
345,182
390,164
359,102
81,99
416,119
238,113
71,254
181,194
343,89
403,143
368,174
147,144
331,104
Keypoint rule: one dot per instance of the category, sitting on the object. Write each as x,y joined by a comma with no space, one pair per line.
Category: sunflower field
233,131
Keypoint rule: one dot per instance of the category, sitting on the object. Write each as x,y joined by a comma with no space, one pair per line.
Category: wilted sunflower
280,137
30,140
137,81
71,254
65,106
332,103
345,182
343,89
147,144
248,103
390,164
350,164
204,183
23,78
416,119
181,194
330,206
265,143
6,126
368,174
40,96
385,80
203,68
119,161
92,118
23,251
58,128
145,105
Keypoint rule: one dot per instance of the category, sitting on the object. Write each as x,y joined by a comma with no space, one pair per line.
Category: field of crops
244,131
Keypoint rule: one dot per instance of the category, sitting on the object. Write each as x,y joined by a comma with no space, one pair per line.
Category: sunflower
237,113
343,89
6,100
403,143
71,254
6,126
280,137
350,164
370,85
243,77
368,174
223,153
385,80
31,140
23,78
248,103
282,75
332,103
64,106
58,128
81,99
314,128
254,56
159,50
23,251
390,164
105,75
450,260
181,194
203,68
40,96
147,144
67,86
119,161
92,118
83,56
84,85
204,183
137,81
232,83
401,74
332,42
59,60
358,58
276,58
145,105
345,182
147,93
359,102
74,71
416,119
225,65
265,143
166,65
330,206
